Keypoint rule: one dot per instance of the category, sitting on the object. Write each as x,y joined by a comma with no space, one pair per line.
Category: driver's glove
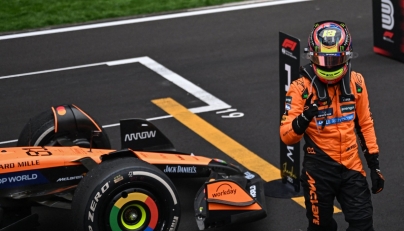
375,173
301,122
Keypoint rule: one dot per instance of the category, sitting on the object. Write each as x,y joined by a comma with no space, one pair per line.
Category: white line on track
213,103
152,18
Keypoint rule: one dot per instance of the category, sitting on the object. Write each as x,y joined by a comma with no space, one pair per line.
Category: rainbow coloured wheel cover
140,202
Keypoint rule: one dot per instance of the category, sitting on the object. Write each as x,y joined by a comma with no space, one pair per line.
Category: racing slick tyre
40,131
125,194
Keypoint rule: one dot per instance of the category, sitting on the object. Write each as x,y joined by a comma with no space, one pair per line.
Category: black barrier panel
388,28
289,64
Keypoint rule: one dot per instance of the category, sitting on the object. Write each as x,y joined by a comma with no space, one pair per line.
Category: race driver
326,106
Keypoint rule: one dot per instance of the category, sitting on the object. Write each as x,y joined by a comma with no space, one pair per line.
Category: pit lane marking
220,140
226,144
213,103
190,12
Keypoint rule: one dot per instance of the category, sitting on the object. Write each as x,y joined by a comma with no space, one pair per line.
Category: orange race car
64,159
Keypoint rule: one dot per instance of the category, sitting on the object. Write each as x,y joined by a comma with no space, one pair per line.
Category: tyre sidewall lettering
112,185
93,203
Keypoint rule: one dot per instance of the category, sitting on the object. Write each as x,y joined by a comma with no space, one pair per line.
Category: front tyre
125,194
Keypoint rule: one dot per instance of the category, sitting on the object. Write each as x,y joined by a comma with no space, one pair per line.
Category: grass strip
16,15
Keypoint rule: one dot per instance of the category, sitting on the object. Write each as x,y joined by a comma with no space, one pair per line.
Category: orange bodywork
164,158
228,195
17,159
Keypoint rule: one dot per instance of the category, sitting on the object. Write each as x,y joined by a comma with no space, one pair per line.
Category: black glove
375,173
301,122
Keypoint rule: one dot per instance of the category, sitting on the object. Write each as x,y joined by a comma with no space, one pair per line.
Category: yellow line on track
232,148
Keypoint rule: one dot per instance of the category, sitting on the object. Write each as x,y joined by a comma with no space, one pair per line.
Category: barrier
388,28
289,66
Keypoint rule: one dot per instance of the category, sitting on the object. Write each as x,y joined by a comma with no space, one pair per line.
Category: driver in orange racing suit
325,106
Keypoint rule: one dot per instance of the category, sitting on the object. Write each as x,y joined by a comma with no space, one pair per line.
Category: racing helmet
330,50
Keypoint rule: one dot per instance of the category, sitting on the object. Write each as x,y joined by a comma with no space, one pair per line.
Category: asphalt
231,55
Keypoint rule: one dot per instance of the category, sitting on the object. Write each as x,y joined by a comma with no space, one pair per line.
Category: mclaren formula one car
64,159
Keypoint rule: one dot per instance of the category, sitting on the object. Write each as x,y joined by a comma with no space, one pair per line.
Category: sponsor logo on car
223,191
19,178
253,191
140,135
7,166
248,175
22,179
179,169
61,110
62,179
28,163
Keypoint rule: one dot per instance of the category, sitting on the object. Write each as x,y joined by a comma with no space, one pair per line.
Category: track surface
230,55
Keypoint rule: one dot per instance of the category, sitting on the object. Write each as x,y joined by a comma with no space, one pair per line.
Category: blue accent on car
24,178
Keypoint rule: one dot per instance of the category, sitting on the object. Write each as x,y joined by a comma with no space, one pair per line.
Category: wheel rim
134,212
133,216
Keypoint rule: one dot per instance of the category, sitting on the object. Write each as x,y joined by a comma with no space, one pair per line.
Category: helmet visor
329,59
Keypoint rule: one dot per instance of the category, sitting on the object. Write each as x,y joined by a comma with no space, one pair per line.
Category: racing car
63,158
